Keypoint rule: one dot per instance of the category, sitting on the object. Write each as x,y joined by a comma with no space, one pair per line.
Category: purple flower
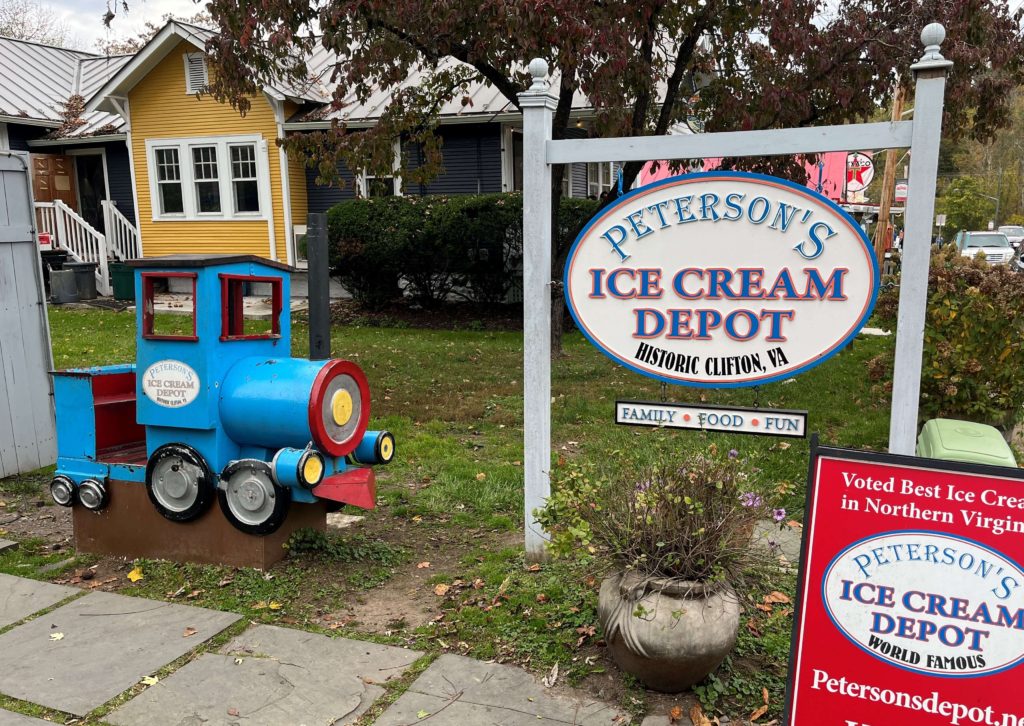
643,486
778,514
733,454
750,499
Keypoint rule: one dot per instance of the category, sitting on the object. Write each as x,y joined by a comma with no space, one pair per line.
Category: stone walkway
75,652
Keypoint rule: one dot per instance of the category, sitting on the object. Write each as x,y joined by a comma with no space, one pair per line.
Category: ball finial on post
539,70
932,37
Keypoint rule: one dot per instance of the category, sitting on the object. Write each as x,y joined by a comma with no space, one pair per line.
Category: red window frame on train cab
148,278
232,317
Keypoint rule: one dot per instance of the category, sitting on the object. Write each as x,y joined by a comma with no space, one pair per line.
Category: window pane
208,196
167,165
204,161
168,306
247,196
383,186
170,198
243,162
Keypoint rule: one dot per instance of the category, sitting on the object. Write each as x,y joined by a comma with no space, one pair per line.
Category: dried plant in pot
678,534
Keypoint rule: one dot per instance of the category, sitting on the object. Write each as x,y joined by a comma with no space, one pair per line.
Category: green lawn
454,402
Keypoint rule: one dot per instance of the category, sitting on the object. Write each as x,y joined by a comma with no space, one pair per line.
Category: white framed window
196,75
600,177
170,199
383,186
209,178
207,183
245,187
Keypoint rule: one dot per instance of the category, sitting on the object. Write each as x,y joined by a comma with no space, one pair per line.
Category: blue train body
215,406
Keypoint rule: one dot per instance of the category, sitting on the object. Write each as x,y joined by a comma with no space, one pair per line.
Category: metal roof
39,79
481,99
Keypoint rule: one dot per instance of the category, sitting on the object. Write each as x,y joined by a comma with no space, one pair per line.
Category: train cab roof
204,260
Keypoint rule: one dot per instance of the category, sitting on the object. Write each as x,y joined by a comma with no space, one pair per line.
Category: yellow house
205,178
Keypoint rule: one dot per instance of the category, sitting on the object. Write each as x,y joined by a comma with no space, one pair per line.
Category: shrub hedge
973,340
436,248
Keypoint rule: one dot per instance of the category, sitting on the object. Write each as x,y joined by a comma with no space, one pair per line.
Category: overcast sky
85,17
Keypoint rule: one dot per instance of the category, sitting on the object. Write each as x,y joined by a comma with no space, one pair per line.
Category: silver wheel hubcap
176,483
62,492
251,496
91,494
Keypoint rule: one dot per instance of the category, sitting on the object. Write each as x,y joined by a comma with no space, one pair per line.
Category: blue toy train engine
215,406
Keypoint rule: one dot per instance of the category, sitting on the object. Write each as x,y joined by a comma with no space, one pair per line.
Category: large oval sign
929,602
171,383
721,279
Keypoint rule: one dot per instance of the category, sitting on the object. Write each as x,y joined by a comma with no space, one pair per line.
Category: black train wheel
179,482
250,498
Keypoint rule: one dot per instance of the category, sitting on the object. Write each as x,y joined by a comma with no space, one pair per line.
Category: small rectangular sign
900,195
910,606
730,419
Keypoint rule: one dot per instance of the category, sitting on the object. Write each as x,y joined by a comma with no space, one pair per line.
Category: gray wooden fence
27,437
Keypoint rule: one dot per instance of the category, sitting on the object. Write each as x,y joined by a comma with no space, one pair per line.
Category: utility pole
883,235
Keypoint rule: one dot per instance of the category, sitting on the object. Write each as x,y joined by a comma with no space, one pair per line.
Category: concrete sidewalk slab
9,718
463,691
19,597
273,677
6,544
109,642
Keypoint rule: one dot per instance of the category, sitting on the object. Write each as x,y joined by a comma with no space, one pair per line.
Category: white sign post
922,135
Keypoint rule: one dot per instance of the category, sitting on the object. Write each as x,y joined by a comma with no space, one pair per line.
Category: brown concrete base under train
130,527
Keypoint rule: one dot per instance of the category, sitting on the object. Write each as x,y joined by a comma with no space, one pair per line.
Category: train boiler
215,407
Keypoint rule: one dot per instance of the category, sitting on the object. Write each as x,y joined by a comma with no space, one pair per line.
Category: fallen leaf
752,627
542,598
535,567
784,445
261,605
551,678
763,608
135,575
478,584
238,661
189,632
675,713
423,565
225,582
149,681
441,589
777,597
481,476
759,713
233,712
764,694
274,605
422,714
177,593
697,716
418,518
56,636
793,524
194,594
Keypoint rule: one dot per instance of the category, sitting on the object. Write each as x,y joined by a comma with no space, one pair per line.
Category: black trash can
122,279
52,260
85,277
64,286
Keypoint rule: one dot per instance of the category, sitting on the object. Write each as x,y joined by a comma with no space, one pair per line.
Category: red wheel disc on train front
339,407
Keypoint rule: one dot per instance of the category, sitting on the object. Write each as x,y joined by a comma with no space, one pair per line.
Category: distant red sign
45,240
911,602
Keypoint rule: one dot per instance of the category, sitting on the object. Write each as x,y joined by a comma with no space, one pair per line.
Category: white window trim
5,140
189,90
601,186
188,181
363,180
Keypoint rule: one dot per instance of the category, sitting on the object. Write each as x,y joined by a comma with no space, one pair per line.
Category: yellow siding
297,187
160,108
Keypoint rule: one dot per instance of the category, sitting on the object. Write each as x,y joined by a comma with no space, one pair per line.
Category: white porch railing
80,239
122,237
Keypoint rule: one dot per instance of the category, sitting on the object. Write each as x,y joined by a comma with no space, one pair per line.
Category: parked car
1014,233
994,245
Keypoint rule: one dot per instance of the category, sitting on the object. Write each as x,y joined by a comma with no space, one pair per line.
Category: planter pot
669,635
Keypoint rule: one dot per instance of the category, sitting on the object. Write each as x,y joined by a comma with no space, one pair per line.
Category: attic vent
196,78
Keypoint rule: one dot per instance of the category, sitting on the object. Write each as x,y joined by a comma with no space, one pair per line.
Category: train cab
215,406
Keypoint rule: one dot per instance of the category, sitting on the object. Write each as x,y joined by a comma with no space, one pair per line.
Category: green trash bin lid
975,443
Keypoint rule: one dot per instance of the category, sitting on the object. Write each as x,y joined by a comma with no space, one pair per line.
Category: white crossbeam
781,142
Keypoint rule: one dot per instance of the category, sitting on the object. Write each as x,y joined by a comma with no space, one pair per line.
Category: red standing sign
911,594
